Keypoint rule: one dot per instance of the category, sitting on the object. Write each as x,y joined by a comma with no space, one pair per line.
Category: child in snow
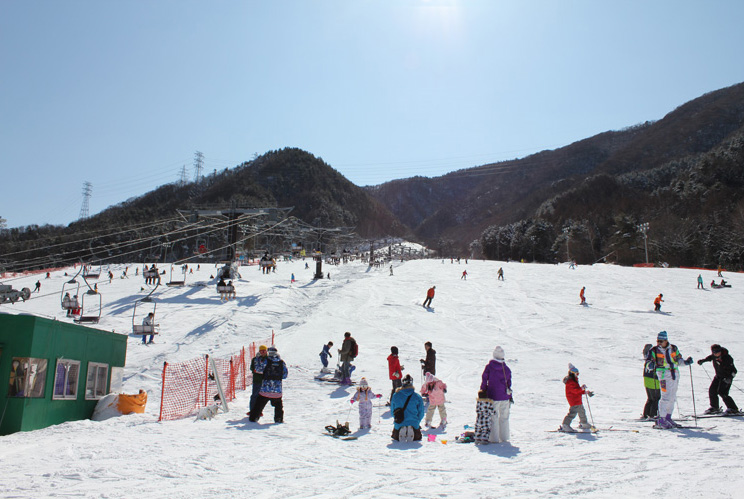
434,389
574,394
484,411
364,396
325,353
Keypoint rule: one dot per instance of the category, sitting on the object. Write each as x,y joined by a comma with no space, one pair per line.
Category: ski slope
533,314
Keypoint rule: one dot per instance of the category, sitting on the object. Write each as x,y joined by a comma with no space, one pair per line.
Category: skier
395,370
274,370
464,275
434,389
364,396
700,282
651,382
150,322
292,279
496,382
723,363
429,296
501,274
391,270
574,394
657,303
325,353
346,354
38,287
257,376
581,295
429,365
668,359
412,405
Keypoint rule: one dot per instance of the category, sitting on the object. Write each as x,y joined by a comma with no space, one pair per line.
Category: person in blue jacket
325,353
410,428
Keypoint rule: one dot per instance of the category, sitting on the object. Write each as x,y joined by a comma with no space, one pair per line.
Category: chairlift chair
173,282
90,273
67,302
137,326
85,313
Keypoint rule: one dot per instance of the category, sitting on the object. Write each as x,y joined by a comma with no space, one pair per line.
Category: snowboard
337,437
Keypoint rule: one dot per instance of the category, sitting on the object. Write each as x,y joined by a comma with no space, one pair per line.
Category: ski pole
351,404
692,387
590,409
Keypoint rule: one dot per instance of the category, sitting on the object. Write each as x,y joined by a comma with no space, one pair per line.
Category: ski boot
566,427
713,410
732,412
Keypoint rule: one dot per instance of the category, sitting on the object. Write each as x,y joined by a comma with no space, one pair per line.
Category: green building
52,371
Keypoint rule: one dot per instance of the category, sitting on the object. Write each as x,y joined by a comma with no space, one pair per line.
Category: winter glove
688,361
378,396
700,362
351,401
423,362
511,399
508,391
591,394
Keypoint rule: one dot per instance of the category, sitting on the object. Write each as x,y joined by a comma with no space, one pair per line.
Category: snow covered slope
534,315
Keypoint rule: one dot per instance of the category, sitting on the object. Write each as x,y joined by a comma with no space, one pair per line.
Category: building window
95,386
27,377
66,379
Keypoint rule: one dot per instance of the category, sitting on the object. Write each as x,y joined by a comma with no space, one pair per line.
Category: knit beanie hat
363,383
394,350
430,378
573,369
715,348
407,380
273,352
663,336
262,347
498,353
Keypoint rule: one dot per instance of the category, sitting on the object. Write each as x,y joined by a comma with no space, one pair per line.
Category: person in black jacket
723,363
429,365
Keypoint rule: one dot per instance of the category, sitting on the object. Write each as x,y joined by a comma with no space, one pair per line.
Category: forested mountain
681,174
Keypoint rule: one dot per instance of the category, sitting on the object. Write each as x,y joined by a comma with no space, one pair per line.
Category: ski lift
88,304
151,275
7,293
175,282
137,326
91,272
68,303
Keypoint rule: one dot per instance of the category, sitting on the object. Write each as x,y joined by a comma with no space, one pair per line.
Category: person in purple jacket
496,383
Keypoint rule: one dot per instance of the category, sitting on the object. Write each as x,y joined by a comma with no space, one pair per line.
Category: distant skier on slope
429,296
574,394
657,303
581,295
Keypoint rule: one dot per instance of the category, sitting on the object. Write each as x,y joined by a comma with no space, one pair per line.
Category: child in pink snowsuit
434,389
364,396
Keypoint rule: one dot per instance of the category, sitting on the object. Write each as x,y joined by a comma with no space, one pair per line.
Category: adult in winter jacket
274,370
410,428
434,389
429,296
723,363
429,365
346,355
667,359
395,370
651,383
257,376
496,383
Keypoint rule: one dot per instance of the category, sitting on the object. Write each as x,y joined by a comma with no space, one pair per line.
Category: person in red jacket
395,370
581,295
574,394
429,296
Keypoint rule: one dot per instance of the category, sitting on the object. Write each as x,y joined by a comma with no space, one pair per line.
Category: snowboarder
668,359
257,376
434,389
651,383
412,405
325,353
723,363
429,365
429,296
657,303
364,395
347,353
464,275
395,370
496,383
581,295
574,394
148,321
501,274
719,271
274,370
700,282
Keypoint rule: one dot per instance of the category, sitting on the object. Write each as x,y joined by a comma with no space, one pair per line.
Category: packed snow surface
534,314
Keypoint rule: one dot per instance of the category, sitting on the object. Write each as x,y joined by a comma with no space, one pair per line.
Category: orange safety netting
188,386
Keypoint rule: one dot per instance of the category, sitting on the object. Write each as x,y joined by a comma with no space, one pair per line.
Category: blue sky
121,94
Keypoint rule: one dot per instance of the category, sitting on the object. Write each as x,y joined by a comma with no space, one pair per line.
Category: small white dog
208,412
